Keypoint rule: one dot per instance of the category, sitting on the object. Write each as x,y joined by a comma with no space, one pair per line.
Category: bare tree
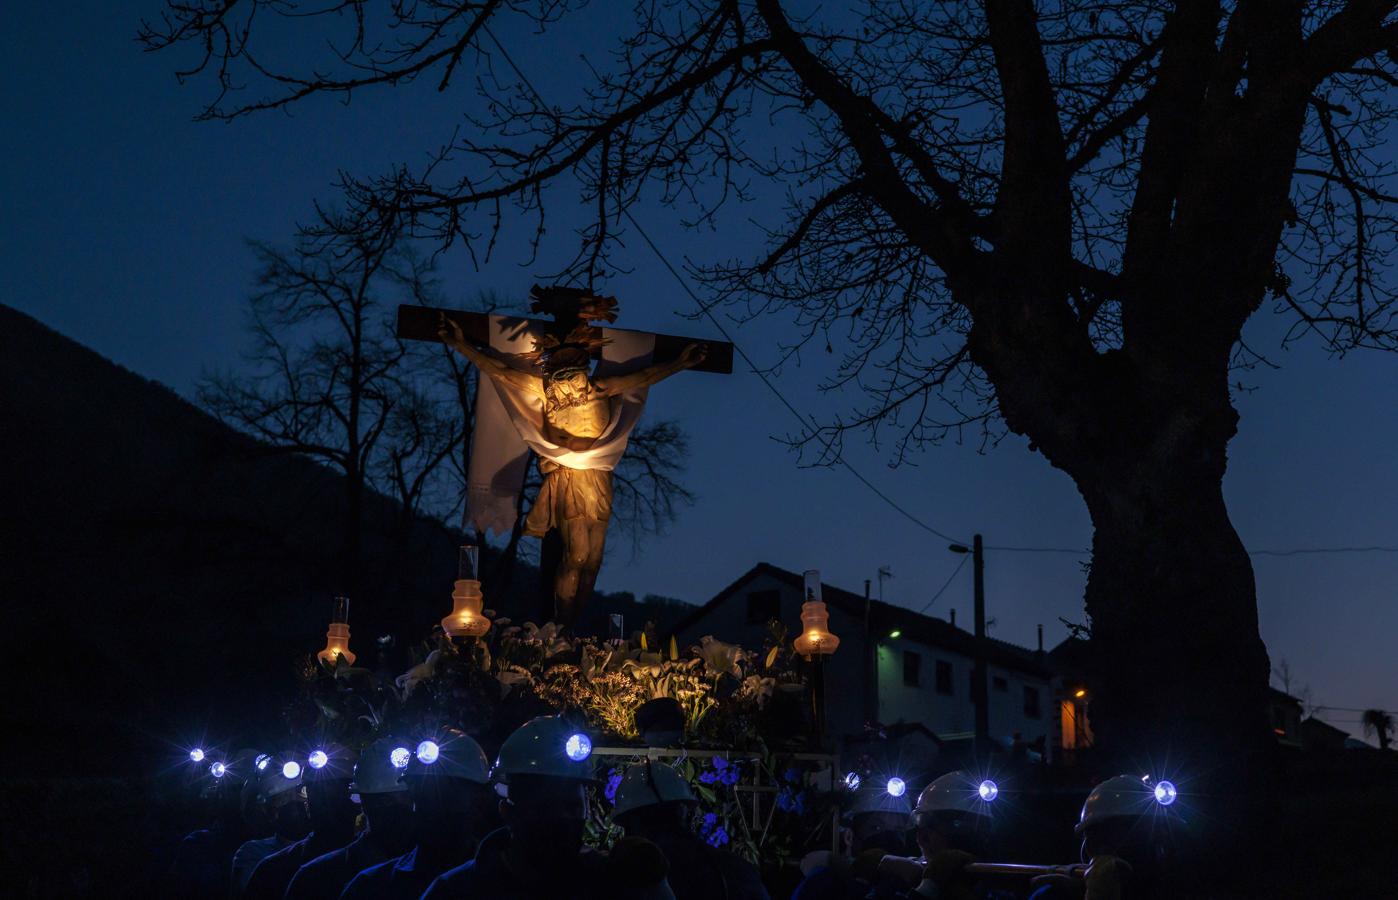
1057,216
322,368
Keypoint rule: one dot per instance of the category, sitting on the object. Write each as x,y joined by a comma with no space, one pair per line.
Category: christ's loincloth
569,494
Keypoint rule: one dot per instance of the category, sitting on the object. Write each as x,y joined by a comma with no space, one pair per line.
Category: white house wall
946,715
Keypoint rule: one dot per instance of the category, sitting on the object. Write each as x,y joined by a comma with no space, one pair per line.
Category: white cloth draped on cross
509,422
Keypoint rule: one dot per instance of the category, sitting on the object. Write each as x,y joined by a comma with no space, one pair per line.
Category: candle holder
337,638
466,619
815,642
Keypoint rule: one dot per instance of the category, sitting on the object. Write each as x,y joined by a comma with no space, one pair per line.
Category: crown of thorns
568,344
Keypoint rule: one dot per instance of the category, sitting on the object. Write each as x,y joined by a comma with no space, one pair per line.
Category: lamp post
466,619
815,642
338,635
980,693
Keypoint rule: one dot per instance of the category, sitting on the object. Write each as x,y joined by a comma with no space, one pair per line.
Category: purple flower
613,782
708,777
792,775
718,838
720,763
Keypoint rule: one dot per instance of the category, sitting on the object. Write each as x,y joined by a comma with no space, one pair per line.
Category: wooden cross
421,323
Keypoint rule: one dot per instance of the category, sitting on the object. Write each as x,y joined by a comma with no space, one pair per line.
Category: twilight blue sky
124,227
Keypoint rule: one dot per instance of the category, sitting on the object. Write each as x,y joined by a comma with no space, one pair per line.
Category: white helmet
380,768
650,784
885,795
1124,796
958,792
449,754
546,745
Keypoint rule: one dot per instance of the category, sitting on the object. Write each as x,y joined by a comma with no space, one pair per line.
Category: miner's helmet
650,784
955,795
1124,797
546,745
380,768
448,753
880,795
329,760
284,772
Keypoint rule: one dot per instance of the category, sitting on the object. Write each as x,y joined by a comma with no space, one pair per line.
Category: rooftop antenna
885,573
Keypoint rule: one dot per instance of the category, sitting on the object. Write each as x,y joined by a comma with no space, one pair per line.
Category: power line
811,423
941,590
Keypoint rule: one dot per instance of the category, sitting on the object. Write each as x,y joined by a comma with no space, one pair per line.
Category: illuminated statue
576,420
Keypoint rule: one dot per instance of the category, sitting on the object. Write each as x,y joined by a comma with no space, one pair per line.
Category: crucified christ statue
577,411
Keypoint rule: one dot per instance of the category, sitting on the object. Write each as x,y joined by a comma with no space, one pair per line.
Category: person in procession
655,803
1125,826
448,777
326,774
203,858
278,796
388,814
876,825
544,770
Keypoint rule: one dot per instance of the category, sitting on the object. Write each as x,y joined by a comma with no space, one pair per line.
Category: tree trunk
1180,669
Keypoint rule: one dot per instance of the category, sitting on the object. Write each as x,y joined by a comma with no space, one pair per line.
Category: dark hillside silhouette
164,572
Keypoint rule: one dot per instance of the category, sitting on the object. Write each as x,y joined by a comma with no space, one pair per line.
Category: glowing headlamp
263,760
578,747
988,790
291,770
428,752
218,770
399,757
852,781
1165,793
896,787
318,759
196,755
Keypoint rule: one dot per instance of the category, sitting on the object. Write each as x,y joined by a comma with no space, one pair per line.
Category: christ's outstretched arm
452,336
693,355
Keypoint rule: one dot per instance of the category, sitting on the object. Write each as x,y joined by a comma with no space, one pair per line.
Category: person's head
546,816
1126,816
653,799
877,814
448,776
954,813
390,820
328,770
281,794
545,766
329,804
383,797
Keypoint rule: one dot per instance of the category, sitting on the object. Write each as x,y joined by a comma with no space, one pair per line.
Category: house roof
1322,727
883,618
1280,696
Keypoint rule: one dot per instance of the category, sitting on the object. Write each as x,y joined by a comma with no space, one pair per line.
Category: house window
764,606
1031,702
912,668
943,677
999,683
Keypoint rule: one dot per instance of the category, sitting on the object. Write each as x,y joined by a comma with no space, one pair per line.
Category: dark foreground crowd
401,823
